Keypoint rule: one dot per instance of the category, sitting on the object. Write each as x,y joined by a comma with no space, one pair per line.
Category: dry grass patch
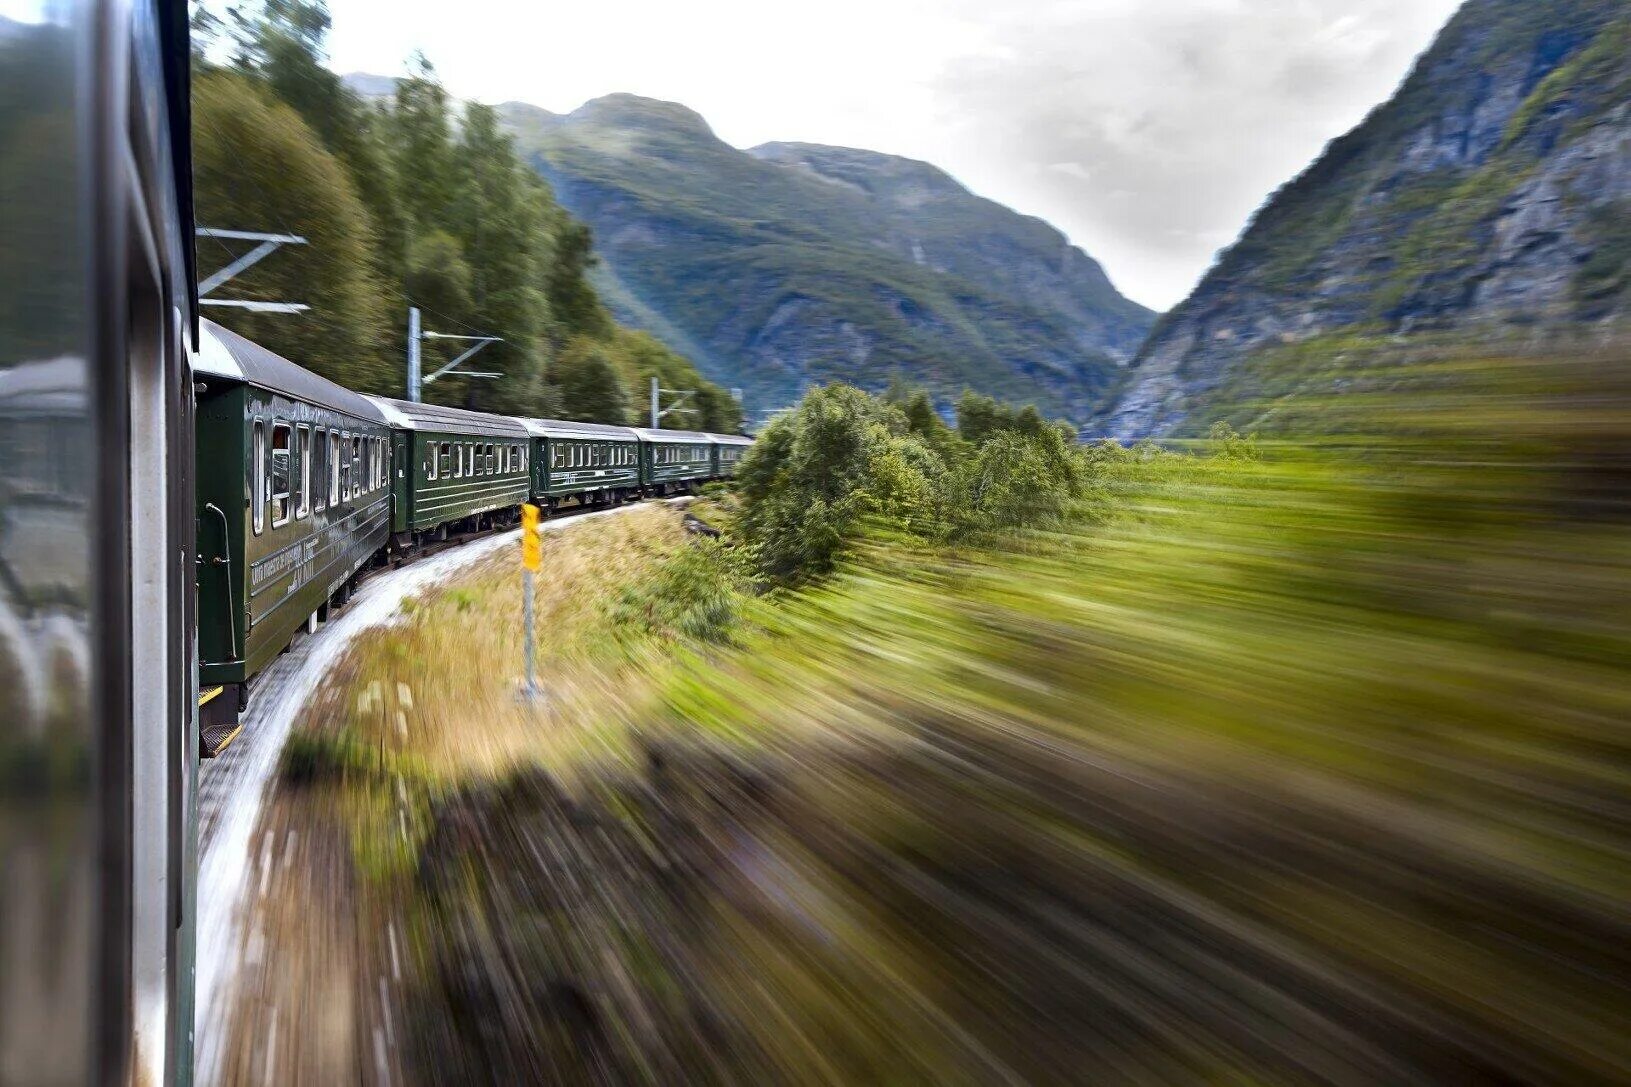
437,694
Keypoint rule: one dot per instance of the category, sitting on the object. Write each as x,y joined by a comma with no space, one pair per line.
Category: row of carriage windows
460,460
591,455
300,469
681,454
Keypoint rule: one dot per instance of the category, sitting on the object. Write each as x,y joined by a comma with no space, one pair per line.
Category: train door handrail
226,547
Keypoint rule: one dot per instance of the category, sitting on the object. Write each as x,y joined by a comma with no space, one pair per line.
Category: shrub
695,593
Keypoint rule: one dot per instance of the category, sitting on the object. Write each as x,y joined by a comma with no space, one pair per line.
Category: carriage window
356,466
492,460
282,436
257,489
343,454
334,459
430,462
319,468
302,502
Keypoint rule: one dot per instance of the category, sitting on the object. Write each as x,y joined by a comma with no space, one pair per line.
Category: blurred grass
1372,689
1281,761
439,689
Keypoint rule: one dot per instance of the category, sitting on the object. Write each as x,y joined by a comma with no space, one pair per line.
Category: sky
1147,130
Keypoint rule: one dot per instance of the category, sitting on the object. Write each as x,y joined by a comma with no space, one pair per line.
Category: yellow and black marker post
532,559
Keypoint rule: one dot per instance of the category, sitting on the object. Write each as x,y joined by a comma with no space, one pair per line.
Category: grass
439,694
1301,762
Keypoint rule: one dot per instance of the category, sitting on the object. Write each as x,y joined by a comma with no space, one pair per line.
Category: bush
696,594
817,475
1012,482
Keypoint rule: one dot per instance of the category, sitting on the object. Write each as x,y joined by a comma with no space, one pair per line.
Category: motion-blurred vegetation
418,200
1265,761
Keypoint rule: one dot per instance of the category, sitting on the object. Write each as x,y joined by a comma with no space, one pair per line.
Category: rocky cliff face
1491,195
793,264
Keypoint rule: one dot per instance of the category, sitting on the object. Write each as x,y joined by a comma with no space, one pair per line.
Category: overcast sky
1146,130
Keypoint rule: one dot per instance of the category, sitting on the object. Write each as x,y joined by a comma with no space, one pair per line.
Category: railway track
233,786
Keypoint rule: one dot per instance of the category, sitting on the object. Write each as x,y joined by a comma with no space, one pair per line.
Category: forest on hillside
417,200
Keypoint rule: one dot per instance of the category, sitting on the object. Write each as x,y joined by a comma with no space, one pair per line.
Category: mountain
792,264
1490,197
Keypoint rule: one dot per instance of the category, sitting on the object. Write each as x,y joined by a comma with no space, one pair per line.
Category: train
303,484
175,503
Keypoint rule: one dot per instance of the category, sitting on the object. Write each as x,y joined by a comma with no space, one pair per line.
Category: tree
244,140
590,387
819,473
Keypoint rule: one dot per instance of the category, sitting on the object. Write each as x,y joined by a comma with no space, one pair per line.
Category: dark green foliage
257,165
695,593
845,463
591,389
422,201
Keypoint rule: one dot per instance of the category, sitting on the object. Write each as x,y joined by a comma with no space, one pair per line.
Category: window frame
258,493
335,490
273,495
319,470
302,438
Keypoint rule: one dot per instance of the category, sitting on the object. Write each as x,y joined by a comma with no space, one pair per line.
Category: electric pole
416,336
658,411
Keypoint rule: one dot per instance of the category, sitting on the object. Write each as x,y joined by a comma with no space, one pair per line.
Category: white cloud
1147,130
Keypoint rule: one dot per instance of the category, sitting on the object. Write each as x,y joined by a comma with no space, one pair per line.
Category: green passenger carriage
454,469
292,500
674,460
587,461
728,450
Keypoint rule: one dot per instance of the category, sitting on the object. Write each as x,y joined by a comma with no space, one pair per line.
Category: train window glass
257,486
442,461
344,453
430,463
356,465
319,468
492,460
334,459
458,462
282,437
302,502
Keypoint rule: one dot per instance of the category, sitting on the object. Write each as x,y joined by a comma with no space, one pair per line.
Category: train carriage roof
730,439
406,415
223,353
681,437
566,428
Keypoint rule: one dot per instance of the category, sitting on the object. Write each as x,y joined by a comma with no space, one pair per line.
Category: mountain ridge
1487,198
828,263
